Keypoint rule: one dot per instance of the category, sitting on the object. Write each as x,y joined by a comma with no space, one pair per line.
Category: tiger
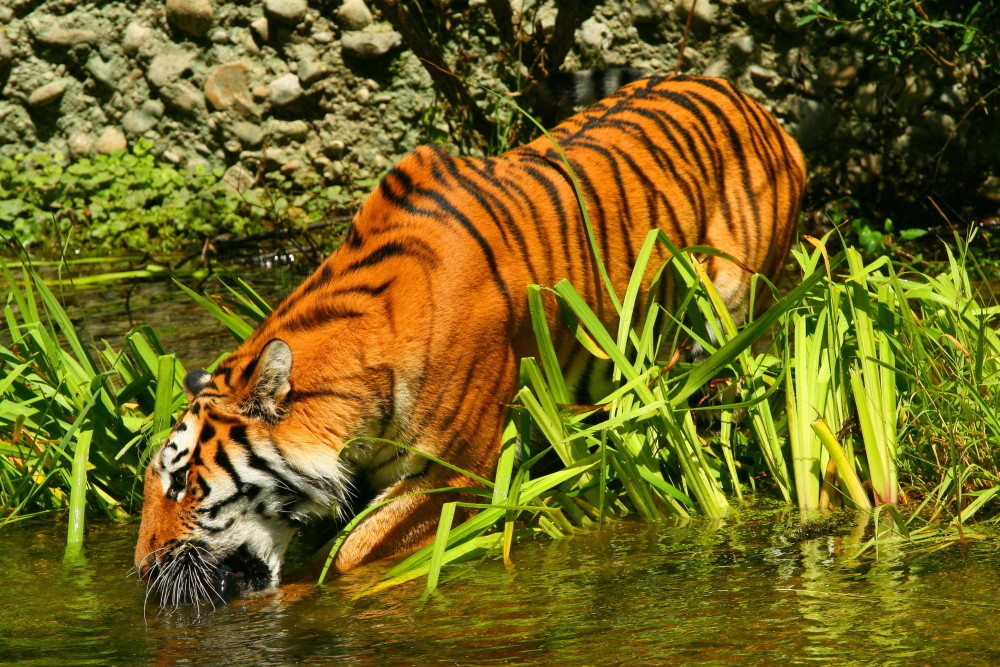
413,329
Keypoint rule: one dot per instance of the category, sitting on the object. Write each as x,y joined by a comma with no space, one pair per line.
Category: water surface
742,592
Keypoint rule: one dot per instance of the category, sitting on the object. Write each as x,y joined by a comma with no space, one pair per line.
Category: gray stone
153,108
57,36
594,35
866,99
250,135
705,12
168,66
261,28
647,11
289,12
916,92
787,19
990,188
47,94
6,51
101,71
136,36
941,126
182,96
111,140
813,119
323,37
229,85
761,74
311,71
353,15
762,7
284,90
718,68
80,144
741,46
370,44
297,130
238,178
138,121
195,17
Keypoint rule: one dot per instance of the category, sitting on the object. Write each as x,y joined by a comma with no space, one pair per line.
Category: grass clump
135,201
76,419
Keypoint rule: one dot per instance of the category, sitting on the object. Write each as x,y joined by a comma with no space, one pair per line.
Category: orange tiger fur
413,329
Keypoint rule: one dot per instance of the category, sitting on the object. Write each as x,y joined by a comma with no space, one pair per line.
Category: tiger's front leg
406,523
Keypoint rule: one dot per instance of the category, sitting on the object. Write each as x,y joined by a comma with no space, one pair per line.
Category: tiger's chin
191,575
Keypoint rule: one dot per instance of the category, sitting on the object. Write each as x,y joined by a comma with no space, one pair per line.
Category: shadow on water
729,592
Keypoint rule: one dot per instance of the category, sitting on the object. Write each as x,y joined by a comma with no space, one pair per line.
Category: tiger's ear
195,381
269,387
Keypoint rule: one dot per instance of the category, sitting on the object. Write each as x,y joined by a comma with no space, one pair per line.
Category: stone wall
325,88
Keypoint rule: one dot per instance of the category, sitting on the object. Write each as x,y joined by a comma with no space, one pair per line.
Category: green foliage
76,418
132,200
948,31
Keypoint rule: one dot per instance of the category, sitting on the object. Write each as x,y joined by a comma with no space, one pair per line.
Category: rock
787,19
249,135
6,51
101,71
323,37
289,12
646,11
57,36
866,99
195,17
813,119
916,92
705,12
311,71
990,188
353,15
229,85
138,121
47,94
370,44
939,125
261,28
112,140
168,66
296,130
741,47
718,68
284,90
238,178
362,95
182,96
761,75
136,36
594,35
80,144
762,7
153,108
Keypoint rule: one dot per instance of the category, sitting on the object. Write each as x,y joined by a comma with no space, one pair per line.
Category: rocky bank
324,89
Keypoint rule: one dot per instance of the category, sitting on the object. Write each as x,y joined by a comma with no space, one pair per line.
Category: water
109,309
743,592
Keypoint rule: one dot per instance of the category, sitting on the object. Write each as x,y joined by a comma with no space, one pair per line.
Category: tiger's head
241,470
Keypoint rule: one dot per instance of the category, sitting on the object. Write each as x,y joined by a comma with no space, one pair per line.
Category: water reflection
724,592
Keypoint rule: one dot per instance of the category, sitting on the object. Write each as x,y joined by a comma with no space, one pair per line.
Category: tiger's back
413,329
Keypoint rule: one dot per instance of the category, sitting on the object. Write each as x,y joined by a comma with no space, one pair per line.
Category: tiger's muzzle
189,574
